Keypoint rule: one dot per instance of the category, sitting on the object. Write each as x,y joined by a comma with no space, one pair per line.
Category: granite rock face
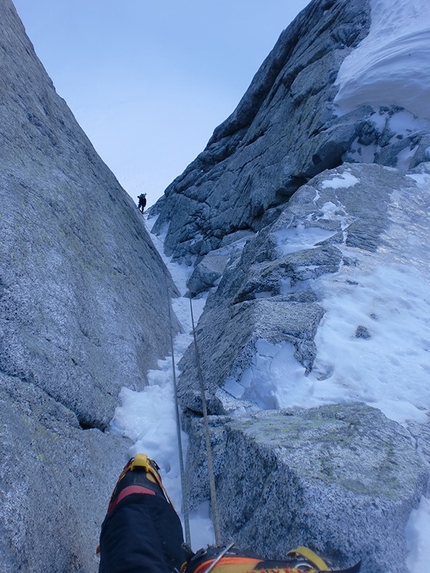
289,201
84,302
284,131
55,482
340,479
83,311
268,291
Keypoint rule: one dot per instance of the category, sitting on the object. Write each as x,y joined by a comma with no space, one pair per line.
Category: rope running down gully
179,432
215,517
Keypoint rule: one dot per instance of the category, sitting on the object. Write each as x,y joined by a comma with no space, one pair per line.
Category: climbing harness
215,516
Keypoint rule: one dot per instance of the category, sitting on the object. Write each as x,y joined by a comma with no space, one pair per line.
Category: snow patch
404,158
274,380
393,305
148,418
391,66
300,238
422,179
344,181
418,539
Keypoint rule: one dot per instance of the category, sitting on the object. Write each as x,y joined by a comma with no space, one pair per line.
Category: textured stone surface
340,479
55,482
83,312
284,131
83,291
208,272
268,293
83,307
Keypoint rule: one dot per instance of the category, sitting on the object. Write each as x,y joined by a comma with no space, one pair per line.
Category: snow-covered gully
148,417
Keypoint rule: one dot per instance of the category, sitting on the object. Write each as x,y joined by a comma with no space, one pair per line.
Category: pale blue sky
149,80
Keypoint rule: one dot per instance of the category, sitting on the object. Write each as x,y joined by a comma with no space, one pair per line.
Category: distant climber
142,202
142,533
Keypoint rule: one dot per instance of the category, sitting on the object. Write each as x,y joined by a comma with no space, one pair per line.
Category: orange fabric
131,489
230,565
242,565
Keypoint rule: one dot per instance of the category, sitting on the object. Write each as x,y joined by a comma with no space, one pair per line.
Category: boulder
340,479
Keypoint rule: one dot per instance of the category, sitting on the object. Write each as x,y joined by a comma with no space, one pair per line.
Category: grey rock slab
84,311
207,272
340,479
282,133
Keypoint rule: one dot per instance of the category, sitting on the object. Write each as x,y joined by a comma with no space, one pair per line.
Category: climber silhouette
142,202
142,533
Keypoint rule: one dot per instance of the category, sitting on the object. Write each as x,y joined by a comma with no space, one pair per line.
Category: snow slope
149,418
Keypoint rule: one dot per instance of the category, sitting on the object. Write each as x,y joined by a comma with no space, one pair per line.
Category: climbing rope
215,517
185,512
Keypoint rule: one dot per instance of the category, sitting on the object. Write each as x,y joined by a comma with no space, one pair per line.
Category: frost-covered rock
340,479
327,304
272,292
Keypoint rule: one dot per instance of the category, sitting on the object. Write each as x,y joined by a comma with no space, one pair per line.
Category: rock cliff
83,312
291,212
341,479
284,131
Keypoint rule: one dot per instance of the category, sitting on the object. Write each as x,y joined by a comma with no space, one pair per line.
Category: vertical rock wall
283,132
83,291
83,312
